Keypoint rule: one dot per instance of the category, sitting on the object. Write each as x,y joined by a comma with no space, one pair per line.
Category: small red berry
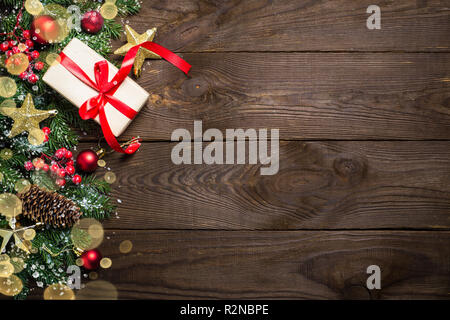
76,179
61,173
33,78
68,154
4,46
54,167
45,167
60,182
26,34
29,43
70,170
28,165
46,130
39,65
35,54
69,163
12,43
23,75
15,49
9,53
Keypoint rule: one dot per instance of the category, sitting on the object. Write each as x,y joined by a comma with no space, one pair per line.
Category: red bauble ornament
39,65
92,22
33,78
35,54
91,259
4,46
45,29
76,179
87,161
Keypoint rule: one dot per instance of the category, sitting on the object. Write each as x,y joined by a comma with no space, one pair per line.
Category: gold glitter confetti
79,262
98,290
17,63
6,269
11,286
101,163
58,291
8,103
109,10
38,163
18,264
4,258
26,117
10,205
53,59
105,263
87,234
29,234
8,87
34,7
22,185
6,154
125,246
36,137
110,177
133,39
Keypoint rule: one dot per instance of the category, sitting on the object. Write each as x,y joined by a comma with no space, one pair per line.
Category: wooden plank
261,25
320,185
281,265
307,96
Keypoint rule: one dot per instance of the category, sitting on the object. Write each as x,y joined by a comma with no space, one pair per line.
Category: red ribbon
95,106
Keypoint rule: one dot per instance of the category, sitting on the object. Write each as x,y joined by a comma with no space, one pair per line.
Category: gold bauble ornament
27,117
134,39
105,263
17,63
8,87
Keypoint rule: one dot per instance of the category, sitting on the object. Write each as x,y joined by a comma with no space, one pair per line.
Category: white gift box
77,92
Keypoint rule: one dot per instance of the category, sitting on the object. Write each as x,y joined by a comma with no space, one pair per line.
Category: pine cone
49,207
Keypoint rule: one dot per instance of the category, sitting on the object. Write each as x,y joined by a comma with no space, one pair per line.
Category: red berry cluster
60,165
25,46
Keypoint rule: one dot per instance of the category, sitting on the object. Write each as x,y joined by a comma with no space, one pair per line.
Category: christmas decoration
92,22
50,208
109,10
87,161
17,63
134,39
58,291
91,259
121,92
8,87
49,166
27,117
34,7
45,29
110,177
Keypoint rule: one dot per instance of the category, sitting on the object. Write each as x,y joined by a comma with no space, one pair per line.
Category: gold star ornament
134,39
27,118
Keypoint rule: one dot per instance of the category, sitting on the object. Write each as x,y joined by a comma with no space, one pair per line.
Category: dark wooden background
364,119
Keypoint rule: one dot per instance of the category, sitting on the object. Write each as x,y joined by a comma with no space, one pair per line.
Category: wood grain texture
338,96
320,185
280,265
264,25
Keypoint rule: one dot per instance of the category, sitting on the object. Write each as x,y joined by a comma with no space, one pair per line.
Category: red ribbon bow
95,106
